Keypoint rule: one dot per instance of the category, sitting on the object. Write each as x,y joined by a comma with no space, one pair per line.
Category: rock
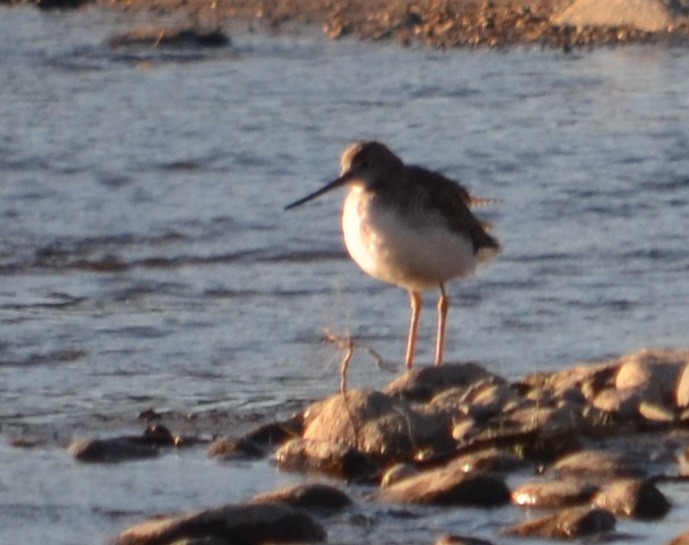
246,524
118,449
275,433
646,15
448,485
655,413
336,459
228,448
682,389
307,496
170,37
653,372
422,383
376,424
558,493
624,403
397,473
567,524
466,429
598,464
682,539
490,459
451,539
633,498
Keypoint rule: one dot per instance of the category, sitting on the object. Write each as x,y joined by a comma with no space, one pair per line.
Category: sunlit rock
567,524
559,493
633,498
246,524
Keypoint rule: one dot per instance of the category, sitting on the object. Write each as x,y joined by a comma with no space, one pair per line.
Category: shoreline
449,24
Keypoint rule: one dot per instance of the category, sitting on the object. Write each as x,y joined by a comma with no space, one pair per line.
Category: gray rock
118,449
567,524
633,498
241,524
557,493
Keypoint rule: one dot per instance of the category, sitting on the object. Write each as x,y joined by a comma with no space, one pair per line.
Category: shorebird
408,226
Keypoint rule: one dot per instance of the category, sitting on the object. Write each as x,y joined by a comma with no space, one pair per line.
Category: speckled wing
452,200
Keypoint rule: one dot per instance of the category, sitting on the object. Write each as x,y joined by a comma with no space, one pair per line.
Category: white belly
415,253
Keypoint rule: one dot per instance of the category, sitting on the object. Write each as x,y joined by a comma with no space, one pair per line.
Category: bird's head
365,163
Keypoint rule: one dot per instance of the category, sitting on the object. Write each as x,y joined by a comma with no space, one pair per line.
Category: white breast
415,252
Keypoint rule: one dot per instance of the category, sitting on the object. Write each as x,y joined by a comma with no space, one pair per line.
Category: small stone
656,413
633,498
570,523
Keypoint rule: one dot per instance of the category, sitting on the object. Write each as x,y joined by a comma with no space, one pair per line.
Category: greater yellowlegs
408,226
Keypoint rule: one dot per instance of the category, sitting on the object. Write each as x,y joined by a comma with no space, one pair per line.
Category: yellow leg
442,317
415,297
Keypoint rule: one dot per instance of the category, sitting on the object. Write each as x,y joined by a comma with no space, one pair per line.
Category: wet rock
275,433
449,485
307,496
422,383
557,493
397,473
646,15
228,448
246,524
598,464
490,459
336,459
633,498
119,449
170,37
567,524
451,539
376,424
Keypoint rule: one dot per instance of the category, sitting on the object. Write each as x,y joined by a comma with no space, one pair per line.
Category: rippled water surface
146,260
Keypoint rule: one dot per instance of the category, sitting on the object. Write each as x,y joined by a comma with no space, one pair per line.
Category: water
146,260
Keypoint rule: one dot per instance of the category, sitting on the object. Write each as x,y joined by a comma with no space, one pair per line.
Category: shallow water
146,260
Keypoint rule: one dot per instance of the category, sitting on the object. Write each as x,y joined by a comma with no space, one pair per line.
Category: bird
408,226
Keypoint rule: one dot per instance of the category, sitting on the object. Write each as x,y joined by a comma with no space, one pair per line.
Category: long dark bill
342,180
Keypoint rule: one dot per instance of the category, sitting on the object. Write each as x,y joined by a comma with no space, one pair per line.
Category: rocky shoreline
564,24
586,445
